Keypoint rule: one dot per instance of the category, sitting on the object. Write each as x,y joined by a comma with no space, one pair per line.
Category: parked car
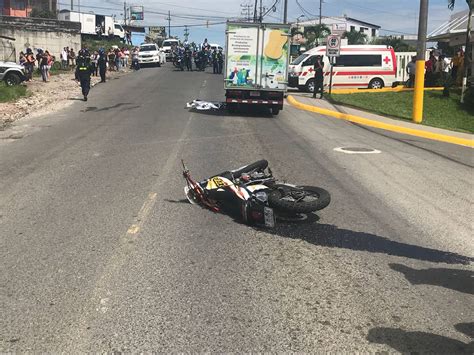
358,66
11,73
150,53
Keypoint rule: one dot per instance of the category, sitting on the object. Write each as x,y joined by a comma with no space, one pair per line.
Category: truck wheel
12,79
310,85
275,110
376,83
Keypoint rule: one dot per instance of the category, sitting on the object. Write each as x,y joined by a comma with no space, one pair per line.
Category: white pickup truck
150,53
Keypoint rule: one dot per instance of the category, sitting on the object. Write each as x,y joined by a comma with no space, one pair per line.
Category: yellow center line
142,214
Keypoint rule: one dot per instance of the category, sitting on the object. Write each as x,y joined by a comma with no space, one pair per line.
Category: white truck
256,64
167,47
93,24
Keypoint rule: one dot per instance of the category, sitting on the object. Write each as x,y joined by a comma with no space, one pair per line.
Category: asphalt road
99,251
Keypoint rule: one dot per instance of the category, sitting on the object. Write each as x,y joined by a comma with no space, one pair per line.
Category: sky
395,17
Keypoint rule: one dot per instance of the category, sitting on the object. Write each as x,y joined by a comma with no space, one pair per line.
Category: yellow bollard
419,91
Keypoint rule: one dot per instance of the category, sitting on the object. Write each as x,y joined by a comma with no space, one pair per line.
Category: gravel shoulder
44,98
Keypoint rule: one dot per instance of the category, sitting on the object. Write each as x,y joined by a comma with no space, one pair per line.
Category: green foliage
314,33
11,93
355,37
396,43
93,44
40,13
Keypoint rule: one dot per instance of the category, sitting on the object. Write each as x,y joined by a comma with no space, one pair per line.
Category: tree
396,43
314,33
467,55
355,37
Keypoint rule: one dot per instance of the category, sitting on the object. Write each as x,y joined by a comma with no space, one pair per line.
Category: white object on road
205,105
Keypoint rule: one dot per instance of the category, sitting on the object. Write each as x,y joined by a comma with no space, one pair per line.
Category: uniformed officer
215,67
220,61
102,63
318,77
84,71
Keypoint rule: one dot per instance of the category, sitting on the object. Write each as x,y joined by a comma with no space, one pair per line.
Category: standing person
220,60
135,63
111,58
457,65
29,64
83,72
72,56
411,71
22,59
64,59
110,33
43,65
202,59
318,78
126,56
215,66
430,67
102,64
188,55
94,63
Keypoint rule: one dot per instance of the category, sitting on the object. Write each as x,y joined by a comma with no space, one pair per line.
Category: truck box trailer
93,24
256,64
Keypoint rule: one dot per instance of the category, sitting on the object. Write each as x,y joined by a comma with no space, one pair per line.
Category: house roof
338,20
457,24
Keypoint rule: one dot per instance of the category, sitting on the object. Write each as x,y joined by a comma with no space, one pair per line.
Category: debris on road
206,105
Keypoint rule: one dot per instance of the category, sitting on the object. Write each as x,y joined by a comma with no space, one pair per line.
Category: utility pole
169,24
285,11
72,5
124,13
320,11
420,63
261,12
254,11
186,33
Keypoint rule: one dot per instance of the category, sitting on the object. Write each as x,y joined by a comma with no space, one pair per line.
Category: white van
359,66
167,45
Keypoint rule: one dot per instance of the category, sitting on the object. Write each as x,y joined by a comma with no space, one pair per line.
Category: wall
51,35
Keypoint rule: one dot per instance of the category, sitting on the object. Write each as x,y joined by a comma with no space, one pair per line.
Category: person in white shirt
64,58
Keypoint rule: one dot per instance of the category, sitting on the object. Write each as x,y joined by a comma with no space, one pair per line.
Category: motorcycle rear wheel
299,199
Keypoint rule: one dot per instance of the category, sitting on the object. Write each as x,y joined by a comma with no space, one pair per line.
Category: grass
93,44
439,111
11,93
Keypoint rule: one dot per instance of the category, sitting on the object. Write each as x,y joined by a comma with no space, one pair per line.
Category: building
23,8
344,23
454,31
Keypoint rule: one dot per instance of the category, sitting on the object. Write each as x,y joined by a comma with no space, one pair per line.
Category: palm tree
355,37
314,33
467,55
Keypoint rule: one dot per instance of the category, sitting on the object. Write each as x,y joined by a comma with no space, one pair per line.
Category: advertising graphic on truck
257,64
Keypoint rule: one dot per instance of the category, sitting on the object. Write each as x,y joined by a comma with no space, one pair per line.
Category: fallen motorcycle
252,194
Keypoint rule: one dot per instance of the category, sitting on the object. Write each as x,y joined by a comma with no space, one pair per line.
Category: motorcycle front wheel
298,199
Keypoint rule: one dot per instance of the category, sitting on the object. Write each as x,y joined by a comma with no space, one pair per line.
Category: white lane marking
344,150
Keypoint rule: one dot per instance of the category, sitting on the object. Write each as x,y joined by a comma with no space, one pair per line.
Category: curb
385,126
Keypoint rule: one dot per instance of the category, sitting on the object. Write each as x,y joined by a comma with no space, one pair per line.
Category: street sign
136,13
157,31
333,46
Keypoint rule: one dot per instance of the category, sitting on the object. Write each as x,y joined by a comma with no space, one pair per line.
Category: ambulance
358,66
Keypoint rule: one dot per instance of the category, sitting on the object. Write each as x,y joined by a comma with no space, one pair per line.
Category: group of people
68,58
438,69
43,59
184,55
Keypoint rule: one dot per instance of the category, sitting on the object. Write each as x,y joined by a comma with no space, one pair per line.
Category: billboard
157,31
136,13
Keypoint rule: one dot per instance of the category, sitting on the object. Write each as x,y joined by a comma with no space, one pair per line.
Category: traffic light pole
417,115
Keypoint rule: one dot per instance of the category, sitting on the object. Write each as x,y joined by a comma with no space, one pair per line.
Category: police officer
220,61
102,63
84,71
188,55
215,68
318,77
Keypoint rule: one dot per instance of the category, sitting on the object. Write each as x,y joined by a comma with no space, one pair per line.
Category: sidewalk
382,120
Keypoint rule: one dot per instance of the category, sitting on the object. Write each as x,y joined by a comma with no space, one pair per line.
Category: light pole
420,63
